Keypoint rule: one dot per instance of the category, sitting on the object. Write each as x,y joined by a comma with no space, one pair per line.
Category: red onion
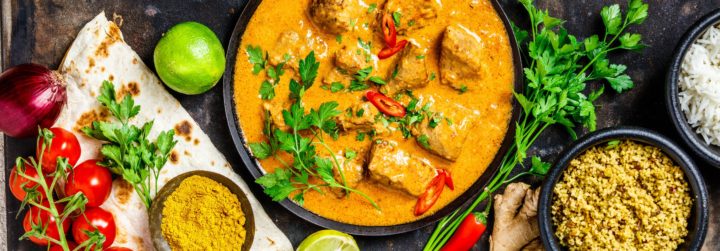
31,95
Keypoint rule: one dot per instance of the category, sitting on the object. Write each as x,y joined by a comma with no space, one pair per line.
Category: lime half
328,240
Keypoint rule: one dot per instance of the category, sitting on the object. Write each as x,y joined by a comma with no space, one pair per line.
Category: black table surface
42,31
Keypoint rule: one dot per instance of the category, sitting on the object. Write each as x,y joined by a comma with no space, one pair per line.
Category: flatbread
100,53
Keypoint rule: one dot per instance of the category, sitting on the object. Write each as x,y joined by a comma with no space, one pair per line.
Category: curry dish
423,93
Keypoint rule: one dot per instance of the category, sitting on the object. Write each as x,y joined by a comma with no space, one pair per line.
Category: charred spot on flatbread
184,129
196,141
174,158
131,88
134,61
111,77
91,62
212,163
123,191
186,153
113,36
88,117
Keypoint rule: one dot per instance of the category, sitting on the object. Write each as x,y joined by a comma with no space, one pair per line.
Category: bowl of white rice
693,88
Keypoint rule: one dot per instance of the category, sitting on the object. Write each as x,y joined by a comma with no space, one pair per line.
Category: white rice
700,86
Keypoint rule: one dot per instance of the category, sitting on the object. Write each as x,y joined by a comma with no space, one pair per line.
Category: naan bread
100,53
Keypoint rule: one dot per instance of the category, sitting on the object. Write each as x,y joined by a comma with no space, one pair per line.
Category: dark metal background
42,30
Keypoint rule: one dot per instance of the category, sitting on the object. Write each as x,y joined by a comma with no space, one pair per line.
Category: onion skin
31,96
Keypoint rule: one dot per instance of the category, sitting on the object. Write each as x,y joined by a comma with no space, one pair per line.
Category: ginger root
516,228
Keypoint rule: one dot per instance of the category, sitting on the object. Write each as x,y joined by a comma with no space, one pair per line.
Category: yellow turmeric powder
202,214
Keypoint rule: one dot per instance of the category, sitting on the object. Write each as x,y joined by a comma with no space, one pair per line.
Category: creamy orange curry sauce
456,71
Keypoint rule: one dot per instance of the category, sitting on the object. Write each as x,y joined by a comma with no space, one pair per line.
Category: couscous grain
626,196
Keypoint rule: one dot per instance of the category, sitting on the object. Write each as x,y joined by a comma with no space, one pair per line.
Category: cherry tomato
448,179
390,51
118,249
64,144
71,244
92,180
388,29
17,182
95,218
43,217
431,194
385,104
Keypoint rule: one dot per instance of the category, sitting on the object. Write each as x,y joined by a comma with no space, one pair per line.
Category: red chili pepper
390,51
448,179
468,233
385,105
388,29
431,194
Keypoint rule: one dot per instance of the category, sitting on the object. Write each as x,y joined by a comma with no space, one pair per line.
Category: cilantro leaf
256,57
260,150
612,19
423,140
538,167
396,18
267,90
621,83
336,87
377,80
308,70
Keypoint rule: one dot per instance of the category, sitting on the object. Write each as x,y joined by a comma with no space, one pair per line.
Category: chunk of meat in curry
461,58
411,70
334,16
452,127
397,168
414,14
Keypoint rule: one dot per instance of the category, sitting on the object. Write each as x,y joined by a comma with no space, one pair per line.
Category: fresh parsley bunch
127,150
559,69
308,171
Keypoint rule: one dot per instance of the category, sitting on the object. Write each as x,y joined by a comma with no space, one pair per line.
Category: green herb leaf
336,87
621,83
372,7
267,90
396,18
308,70
350,153
612,19
377,80
538,167
256,57
260,150
423,140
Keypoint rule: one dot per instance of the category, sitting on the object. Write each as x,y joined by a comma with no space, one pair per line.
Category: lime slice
328,240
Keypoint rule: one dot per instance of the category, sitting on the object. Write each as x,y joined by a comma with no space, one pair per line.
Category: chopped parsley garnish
372,7
360,136
434,121
350,153
363,74
358,86
267,90
395,72
463,89
396,18
360,112
377,80
423,140
257,58
432,76
338,38
411,22
420,57
336,87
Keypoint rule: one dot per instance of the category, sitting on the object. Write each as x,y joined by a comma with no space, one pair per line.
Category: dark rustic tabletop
40,31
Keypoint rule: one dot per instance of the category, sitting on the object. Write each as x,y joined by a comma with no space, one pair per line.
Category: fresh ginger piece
516,228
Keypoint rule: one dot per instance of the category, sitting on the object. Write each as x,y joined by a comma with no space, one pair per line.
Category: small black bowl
709,153
698,222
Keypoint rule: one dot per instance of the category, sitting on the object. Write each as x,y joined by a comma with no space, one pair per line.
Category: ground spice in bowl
202,214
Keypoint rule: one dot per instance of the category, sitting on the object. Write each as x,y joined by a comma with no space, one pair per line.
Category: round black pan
255,169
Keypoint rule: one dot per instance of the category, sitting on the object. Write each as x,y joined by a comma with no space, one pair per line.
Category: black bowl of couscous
623,188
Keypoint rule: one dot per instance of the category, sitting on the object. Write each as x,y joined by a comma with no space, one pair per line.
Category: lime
328,240
189,58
